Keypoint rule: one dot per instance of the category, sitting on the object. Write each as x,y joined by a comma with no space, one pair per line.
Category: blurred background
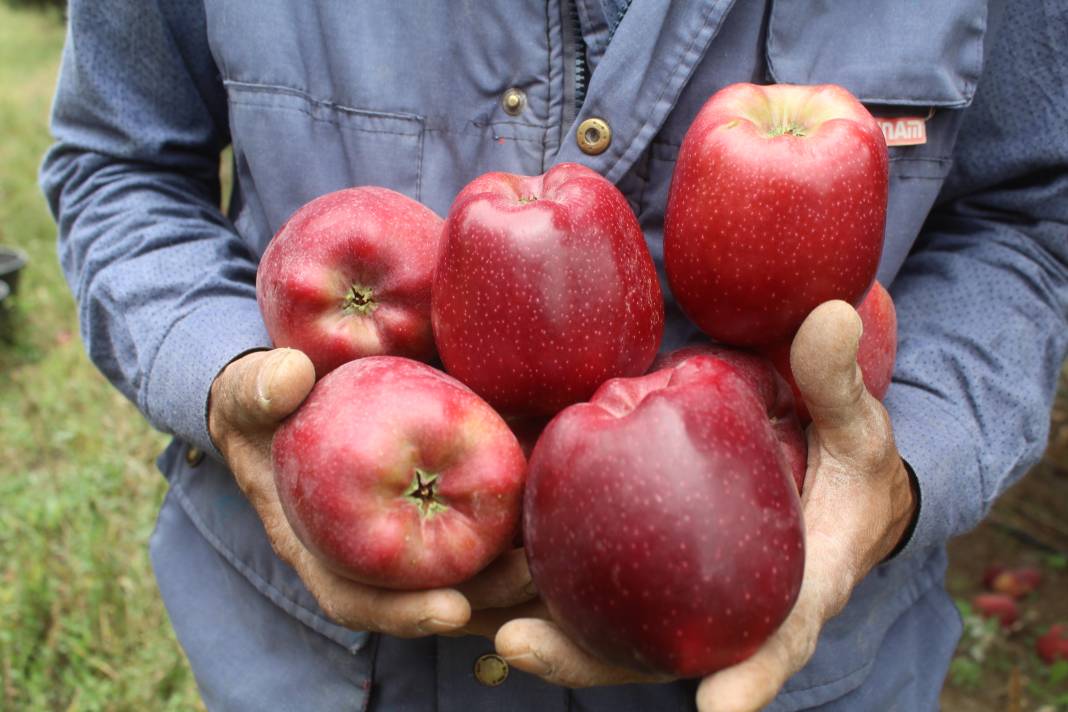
83,626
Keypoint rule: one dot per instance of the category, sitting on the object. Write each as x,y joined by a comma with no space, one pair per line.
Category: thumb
259,390
823,359
847,421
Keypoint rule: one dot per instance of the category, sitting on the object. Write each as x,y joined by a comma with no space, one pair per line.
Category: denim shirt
319,95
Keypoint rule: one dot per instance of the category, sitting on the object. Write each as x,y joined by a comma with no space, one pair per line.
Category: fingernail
266,376
529,662
436,625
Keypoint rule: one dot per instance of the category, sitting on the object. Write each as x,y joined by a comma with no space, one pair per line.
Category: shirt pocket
900,60
291,147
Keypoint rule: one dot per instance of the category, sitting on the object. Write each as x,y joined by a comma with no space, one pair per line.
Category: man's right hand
249,399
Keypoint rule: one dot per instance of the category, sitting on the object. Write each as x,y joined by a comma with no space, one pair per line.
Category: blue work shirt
315,96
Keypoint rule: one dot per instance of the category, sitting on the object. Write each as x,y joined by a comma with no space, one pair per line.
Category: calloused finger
539,647
404,614
505,582
258,390
753,683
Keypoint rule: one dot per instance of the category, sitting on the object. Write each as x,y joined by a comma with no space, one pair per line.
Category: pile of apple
660,504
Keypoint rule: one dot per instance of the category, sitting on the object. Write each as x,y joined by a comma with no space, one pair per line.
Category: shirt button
491,670
193,456
593,136
513,101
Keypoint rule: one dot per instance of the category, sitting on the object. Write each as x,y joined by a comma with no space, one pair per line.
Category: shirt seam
259,88
313,117
934,400
671,82
142,398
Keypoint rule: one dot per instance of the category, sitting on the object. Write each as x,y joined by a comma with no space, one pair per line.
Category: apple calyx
359,300
423,493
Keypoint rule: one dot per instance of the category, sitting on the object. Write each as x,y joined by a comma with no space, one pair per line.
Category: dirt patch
994,668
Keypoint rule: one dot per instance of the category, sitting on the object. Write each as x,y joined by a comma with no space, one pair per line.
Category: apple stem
423,492
789,130
360,300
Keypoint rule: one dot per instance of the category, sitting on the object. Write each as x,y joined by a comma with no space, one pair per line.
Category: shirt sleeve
165,287
983,299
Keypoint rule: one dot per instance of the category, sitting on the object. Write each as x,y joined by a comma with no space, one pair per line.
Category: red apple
1013,582
348,276
777,204
544,289
875,354
1053,646
772,388
990,573
662,526
396,475
999,606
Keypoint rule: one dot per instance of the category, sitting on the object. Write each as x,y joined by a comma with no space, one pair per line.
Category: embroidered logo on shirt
904,130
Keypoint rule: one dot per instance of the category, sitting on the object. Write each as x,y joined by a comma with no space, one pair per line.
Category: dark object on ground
12,260
5,308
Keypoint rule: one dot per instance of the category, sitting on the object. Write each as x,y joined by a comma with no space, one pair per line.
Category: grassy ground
997,668
83,627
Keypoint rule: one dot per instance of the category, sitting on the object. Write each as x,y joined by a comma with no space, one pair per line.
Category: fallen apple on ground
348,276
544,289
397,475
777,204
1053,645
998,606
1015,582
875,355
662,525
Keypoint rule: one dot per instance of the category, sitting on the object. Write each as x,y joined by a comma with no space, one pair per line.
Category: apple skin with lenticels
777,204
396,475
772,388
876,352
348,276
661,521
544,289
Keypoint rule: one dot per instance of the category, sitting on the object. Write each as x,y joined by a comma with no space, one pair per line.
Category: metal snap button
593,136
491,670
193,456
513,101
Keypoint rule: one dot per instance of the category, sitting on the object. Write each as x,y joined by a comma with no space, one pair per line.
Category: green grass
83,626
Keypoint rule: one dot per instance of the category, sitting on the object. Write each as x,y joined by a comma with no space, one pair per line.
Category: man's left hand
857,502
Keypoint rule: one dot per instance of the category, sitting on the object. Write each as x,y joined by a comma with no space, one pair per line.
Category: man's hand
857,504
249,399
